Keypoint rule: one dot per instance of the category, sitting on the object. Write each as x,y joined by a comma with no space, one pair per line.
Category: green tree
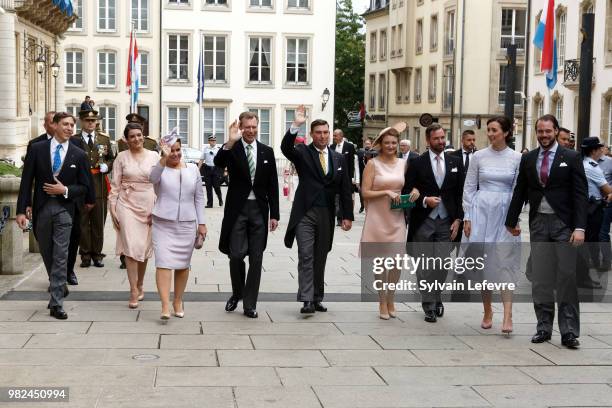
350,67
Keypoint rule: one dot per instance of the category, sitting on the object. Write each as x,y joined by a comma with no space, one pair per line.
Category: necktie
467,160
251,161
323,162
57,159
90,141
439,171
544,168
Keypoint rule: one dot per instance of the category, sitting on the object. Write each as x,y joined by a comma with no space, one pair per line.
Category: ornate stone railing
44,14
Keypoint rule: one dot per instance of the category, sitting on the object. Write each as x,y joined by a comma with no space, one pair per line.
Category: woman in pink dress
130,204
383,180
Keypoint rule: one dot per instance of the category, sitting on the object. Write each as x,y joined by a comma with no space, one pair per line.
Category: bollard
11,236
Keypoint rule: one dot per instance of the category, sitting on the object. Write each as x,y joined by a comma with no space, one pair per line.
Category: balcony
571,74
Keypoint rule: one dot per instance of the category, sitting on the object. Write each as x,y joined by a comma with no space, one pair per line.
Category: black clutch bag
403,204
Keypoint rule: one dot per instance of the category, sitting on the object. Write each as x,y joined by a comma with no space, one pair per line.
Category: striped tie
323,162
251,161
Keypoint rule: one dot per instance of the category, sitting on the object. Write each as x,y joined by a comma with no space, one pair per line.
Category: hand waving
234,132
300,116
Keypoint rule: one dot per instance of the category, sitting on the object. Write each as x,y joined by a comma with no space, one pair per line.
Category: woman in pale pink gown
130,204
383,180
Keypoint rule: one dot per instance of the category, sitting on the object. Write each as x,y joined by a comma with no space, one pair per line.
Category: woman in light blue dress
487,194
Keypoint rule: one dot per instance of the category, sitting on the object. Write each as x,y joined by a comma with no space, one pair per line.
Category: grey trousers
248,239
553,261
313,236
432,239
53,227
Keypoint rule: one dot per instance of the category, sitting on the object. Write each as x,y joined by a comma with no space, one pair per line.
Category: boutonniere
563,164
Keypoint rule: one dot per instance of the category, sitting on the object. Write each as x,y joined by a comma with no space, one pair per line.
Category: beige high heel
381,312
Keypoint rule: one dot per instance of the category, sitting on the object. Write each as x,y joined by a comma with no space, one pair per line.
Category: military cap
88,114
212,137
135,118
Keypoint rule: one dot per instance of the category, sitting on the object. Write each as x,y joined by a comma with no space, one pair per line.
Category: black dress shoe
430,316
58,312
122,259
570,341
220,203
540,337
72,278
252,313
308,308
319,307
85,263
208,205
439,309
231,304
98,263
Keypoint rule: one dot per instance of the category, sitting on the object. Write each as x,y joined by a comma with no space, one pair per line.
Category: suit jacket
37,171
411,155
348,152
312,183
420,175
566,190
265,187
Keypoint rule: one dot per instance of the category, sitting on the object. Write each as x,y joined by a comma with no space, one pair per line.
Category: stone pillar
8,74
11,237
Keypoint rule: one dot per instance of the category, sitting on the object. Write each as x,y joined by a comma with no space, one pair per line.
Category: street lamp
324,98
55,68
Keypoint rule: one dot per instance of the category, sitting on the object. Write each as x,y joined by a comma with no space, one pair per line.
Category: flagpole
133,108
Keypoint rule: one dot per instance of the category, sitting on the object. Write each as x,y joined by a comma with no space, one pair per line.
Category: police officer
599,193
100,154
212,174
149,142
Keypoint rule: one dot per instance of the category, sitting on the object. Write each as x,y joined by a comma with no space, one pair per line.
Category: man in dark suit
363,155
465,154
58,171
437,215
405,152
252,195
347,150
552,179
323,173
89,197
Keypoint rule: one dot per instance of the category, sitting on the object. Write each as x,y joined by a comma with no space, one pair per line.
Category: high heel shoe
133,305
182,313
382,313
140,293
392,313
164,316
507,327
487,324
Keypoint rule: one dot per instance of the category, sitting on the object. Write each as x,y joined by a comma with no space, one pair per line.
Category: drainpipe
462,59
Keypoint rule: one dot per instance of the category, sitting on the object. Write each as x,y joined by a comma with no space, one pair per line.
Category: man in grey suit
323,173
58,171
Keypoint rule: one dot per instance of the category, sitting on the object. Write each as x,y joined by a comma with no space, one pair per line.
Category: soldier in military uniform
100,154
212,174
149,142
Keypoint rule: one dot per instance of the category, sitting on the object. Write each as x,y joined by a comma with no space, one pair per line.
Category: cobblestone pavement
111,356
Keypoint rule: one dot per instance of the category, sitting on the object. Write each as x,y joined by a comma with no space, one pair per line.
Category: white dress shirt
63,151
254,153
339,147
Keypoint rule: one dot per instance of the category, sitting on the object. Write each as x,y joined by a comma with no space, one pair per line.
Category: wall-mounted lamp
324,98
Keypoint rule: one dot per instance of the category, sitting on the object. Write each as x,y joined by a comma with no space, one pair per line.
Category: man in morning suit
347,150
323,173
100,154
58,171
405,152
252,195
436,217
49,126
552,179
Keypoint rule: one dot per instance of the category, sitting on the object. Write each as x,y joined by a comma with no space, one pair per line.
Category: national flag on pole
133,73
546,40
200,95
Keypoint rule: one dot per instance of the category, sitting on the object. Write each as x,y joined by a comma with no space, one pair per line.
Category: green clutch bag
403,203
